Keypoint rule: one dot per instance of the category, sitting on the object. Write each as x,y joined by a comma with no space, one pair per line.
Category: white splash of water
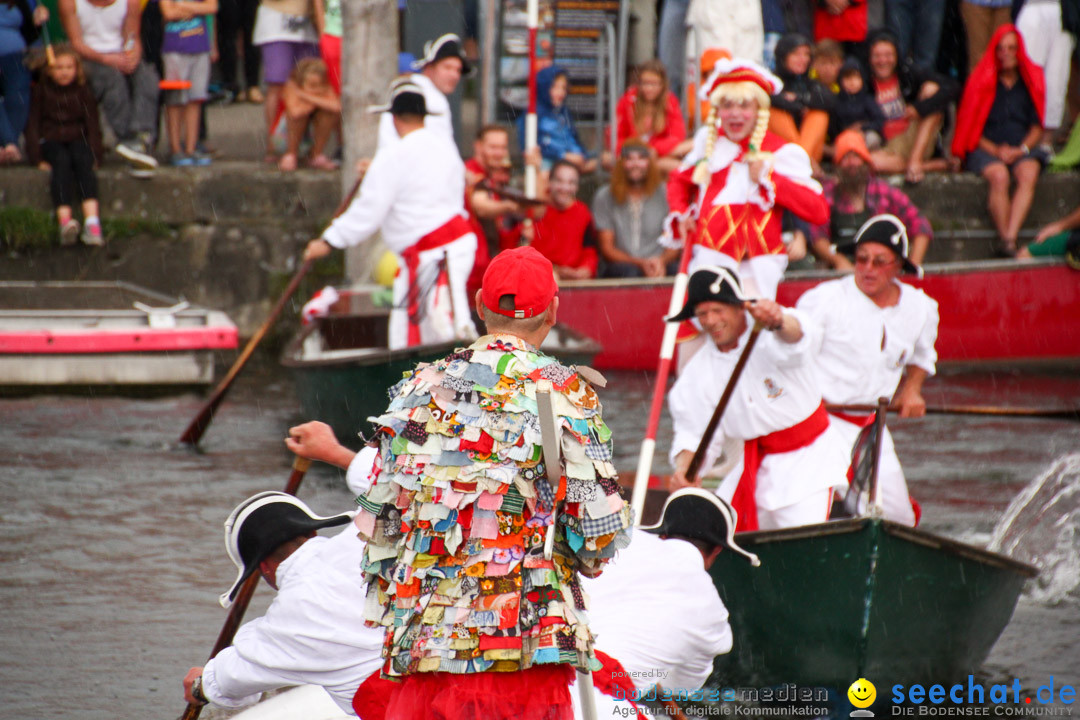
1041,526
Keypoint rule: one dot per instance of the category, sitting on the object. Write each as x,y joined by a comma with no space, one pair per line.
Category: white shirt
865,348
412,187
655,610
102,27
275,26
312,633
440,121
778,389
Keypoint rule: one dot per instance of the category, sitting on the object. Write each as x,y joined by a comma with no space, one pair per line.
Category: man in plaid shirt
855,196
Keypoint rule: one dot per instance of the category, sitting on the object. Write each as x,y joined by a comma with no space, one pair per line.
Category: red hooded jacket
981,88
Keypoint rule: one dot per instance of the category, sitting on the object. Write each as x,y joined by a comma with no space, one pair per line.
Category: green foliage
123,228
25,228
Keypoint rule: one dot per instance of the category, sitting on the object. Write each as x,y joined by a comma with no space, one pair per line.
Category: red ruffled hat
737,71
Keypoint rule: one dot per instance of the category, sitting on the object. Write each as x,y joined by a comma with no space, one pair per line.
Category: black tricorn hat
406,98
710,282
700,515
887,230
262,523
442,47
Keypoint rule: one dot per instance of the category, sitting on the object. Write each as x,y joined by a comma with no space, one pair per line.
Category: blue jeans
14,98
917,27
671,42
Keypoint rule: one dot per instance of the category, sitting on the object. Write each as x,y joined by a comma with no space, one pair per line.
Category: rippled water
111,558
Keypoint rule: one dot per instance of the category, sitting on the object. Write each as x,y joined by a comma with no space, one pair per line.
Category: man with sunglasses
878,334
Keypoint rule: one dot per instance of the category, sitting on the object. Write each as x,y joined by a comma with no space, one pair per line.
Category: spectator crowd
869,88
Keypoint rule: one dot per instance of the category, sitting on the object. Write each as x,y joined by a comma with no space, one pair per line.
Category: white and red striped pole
532,8
667,352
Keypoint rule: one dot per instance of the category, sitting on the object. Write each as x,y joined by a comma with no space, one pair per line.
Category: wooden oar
243,595
714,421
198,425
1054,414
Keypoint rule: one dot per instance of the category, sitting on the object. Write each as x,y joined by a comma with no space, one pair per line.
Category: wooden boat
343,368
78,334
993,312
862,597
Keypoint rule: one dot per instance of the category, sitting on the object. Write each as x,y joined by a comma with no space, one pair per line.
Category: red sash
445,234
754,451
860,421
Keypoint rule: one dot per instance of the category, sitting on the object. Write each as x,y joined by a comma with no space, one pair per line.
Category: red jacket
981,88
848,26
561,237
744,230
663,142
483,257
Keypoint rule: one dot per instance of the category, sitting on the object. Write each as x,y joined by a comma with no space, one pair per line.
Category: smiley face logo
862,693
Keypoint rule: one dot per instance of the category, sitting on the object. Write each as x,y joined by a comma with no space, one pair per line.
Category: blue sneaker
201,159
182,161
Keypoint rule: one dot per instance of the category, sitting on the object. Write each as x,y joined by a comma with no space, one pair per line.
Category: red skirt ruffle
539,693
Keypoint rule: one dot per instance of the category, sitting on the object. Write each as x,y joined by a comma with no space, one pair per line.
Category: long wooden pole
195,429
243,595
532,9
1052,414
663,371
710,429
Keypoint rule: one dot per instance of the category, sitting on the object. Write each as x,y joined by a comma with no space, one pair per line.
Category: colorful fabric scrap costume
457,518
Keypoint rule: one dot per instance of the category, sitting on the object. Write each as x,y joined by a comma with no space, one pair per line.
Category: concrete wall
235,231
234,234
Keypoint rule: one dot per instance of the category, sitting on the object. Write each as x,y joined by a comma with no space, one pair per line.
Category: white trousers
444,318
894,491
795,488
1049,47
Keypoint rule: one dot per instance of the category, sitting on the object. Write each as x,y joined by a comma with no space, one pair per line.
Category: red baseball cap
524,273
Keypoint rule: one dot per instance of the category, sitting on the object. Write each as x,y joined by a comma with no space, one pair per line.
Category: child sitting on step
311,108
63,137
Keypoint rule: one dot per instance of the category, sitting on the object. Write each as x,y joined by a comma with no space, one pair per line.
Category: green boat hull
861,598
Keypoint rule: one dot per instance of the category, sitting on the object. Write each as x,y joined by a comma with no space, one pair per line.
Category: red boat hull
992,312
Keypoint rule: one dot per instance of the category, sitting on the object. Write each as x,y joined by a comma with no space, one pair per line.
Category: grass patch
124,228
27,229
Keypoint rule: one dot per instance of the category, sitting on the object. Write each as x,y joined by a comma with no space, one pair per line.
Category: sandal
915,174
321,162
287,162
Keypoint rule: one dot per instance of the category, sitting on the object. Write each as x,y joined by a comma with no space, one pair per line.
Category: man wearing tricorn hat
494,494
439,72
749,177
791,458
313,631
655,609
878,334
414,193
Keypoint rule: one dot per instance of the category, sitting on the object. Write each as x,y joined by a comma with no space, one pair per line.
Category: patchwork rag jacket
457,518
